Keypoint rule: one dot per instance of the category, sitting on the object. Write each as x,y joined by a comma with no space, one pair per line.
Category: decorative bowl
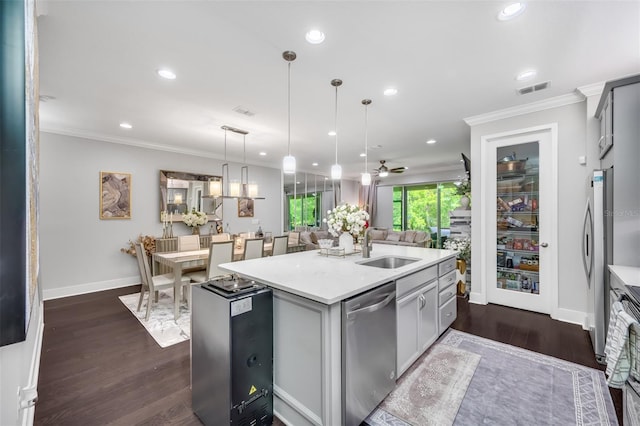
325,243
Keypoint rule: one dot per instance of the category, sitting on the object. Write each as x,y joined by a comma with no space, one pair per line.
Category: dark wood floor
100,366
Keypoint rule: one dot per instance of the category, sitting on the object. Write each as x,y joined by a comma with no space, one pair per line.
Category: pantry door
521,234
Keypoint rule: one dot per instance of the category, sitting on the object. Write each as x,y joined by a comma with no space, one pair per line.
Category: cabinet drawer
448,314
406,284
447,280
446,266
446,294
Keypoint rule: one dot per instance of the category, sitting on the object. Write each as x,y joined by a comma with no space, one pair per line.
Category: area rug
165,330
514,386
430,392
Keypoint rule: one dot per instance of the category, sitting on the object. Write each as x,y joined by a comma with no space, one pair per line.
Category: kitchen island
308,289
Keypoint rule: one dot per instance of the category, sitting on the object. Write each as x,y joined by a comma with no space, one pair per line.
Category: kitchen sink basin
388,262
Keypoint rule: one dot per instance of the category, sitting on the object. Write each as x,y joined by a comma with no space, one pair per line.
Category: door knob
544,245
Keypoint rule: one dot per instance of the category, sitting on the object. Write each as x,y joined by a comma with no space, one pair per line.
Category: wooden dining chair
188,242
220,237
253,248
294,238
280,245
151,284
219,252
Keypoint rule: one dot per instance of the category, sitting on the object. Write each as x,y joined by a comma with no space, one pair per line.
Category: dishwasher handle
388,297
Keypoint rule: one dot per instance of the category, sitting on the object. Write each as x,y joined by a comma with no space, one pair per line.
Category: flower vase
346,242
195,230
464,202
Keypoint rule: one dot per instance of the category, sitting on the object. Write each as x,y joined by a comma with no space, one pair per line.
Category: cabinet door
520,227
428,308
407,328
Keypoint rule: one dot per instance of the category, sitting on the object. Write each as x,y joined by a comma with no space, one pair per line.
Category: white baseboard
477,298
56,293
571,316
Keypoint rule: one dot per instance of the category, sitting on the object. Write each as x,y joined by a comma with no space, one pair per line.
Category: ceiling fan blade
397,170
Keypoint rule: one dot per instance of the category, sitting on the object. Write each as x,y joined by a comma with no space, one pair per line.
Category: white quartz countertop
628,275
331,279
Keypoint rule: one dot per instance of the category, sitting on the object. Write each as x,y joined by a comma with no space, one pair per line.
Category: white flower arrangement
462,245
347,218
195,218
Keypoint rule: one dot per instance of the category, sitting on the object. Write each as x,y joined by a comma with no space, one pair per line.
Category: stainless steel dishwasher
368,351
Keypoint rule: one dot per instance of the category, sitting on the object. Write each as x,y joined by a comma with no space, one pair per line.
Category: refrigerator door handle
587,242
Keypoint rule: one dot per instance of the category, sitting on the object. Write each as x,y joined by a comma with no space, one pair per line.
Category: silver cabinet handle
449,314
544,245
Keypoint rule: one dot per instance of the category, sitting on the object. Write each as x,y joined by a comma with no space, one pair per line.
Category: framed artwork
245,207
115,195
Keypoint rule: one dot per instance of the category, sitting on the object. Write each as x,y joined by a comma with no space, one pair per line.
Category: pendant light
242,188
289,162
366,176
336,169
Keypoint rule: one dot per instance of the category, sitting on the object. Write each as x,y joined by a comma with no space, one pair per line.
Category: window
304,210
425,208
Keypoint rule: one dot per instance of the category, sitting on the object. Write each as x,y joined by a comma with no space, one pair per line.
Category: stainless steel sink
388,262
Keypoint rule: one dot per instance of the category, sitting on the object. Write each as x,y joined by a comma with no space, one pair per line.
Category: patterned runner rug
514,386
161,326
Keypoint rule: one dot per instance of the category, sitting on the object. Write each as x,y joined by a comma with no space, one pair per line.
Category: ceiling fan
383,170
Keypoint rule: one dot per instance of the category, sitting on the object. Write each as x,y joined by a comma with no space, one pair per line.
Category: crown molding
589,90
555,102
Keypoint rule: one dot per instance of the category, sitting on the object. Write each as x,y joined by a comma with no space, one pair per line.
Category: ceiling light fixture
430,142
526,75
314,36
126,126
289,162
331,133
314,164
168,74
336,169
244,188
262,153
362,154
390,91
511,11
366,176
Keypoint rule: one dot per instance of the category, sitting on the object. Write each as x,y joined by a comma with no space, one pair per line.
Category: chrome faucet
366,244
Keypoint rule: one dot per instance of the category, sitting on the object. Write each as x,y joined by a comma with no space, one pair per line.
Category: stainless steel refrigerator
612,216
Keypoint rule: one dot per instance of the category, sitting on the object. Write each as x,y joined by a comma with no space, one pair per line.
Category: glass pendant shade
215,188
336,171
366,179
234,188
253,190
289,164
383,174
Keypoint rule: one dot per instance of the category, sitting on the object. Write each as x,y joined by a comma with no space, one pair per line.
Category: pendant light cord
366,134
289,103
335,127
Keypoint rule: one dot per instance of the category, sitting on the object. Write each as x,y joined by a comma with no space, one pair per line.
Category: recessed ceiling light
511,11
326,178
263,153
126,126
431,142
168,74
298,183
314,36
331,133
314,164
390,91
526,75
362,154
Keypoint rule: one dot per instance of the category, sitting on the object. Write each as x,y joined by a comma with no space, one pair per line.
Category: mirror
307,198
182,191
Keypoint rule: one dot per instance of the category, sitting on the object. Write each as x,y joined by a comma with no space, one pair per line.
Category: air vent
535,88
244,111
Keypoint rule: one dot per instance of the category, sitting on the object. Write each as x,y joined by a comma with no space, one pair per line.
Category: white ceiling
449,60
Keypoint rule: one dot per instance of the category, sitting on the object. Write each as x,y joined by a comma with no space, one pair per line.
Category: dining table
179,261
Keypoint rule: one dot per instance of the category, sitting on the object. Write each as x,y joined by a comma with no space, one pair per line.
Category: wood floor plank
100,366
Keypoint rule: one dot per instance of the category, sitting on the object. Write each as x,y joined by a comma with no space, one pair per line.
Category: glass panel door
517,242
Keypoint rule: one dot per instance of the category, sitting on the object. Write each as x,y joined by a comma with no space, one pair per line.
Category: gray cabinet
417,323
447,309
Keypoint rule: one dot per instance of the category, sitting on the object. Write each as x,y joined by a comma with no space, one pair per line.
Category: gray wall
81,253
572,179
